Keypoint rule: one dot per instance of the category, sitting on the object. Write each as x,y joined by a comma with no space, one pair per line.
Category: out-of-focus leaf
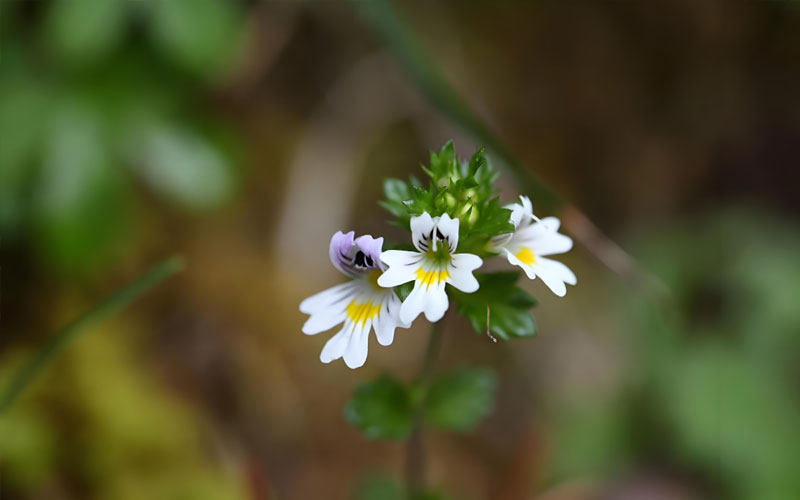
458,401
718,396
199,35
381,409
590,439
81,202
23,113
509,306
184,167
81,31
379,487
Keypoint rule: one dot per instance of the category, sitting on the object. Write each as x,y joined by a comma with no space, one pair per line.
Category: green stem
26,373
415,449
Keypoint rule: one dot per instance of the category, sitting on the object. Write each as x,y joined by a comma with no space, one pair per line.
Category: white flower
431,267
531,241
360,303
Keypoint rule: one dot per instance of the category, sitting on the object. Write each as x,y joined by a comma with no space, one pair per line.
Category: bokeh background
241,135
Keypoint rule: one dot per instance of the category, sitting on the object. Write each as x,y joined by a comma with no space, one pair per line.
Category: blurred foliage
86,107
382,487
459,400
456,401
714,386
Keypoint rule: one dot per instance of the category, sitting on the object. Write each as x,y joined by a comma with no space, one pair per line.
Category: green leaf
509,306
82,31
184,167
80,203
380,487
24,110
199,35
381,409
460,400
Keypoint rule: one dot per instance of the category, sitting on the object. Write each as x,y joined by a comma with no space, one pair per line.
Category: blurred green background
241,135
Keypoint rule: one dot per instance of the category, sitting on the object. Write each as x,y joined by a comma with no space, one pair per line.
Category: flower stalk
416,463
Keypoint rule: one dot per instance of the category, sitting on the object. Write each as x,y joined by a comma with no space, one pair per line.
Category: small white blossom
431,267
531,241
360,304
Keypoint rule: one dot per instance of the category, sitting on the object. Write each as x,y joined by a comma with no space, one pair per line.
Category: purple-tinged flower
360,303
531,241
433,266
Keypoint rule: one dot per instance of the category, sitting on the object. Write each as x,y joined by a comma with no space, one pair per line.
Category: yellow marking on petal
360,312
525,256
430,278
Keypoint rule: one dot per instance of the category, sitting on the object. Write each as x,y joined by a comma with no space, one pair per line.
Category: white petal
402,265
435,302
413,304
356,353
336,345
516,214
387,320
400,257
460,271
527,206
554,274
327,307
449,229
421,229
512,259
326,297
547,243
324,320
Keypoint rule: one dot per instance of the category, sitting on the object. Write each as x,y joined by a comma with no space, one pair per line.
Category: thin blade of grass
26,373
387,24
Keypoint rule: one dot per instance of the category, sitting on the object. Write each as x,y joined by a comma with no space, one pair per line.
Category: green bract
463,190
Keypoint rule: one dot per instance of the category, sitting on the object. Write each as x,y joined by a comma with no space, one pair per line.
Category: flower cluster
456,222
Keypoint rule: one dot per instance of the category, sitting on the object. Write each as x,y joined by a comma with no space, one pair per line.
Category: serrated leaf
460,400
381,409
508,306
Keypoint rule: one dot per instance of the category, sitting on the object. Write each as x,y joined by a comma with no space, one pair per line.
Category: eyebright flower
360,303
431,267
532,239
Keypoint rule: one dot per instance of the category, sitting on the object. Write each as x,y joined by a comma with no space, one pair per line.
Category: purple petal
339,251
372,248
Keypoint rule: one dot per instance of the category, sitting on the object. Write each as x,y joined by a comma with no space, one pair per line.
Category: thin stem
26,373
415,447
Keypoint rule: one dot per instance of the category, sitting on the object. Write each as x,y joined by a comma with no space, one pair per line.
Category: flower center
360,312
372,279
525,256
430,278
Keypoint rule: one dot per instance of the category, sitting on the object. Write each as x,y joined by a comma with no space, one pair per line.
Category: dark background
241,135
